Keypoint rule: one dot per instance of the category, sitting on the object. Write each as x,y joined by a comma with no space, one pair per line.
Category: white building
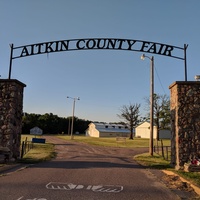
143,131
107,130
36,131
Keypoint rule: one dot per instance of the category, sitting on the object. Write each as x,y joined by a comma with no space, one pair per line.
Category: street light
151,102
73,109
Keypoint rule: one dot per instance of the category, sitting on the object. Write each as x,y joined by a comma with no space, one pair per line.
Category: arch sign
100,44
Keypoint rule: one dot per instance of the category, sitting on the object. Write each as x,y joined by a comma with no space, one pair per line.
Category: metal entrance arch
98,44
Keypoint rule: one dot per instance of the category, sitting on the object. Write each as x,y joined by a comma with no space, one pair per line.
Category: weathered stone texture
185,118
11,108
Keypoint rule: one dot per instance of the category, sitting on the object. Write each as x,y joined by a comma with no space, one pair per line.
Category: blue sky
103,79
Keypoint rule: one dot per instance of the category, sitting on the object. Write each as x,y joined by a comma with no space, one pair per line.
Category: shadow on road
85,165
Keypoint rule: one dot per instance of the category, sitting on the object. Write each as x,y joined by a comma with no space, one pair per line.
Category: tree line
52,124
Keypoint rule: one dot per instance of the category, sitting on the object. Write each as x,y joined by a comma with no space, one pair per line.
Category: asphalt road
83,172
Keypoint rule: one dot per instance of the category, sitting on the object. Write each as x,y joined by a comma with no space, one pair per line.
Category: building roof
36,130
119,128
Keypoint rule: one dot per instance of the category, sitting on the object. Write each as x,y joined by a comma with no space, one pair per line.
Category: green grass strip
39,153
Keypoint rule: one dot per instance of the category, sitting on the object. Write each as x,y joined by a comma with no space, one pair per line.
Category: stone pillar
11,105
185,119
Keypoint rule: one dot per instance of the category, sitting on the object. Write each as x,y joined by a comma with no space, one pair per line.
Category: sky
105,80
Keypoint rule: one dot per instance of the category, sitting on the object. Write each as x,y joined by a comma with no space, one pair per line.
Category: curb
7,168
196,189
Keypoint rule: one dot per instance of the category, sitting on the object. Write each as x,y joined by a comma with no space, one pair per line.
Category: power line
160,81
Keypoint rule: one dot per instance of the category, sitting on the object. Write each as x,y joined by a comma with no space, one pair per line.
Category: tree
130,113
161,112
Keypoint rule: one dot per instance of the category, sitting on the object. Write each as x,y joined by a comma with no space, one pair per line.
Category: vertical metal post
10,66
69,127
151,106
185,60
73,109
22,151
72,126
151,101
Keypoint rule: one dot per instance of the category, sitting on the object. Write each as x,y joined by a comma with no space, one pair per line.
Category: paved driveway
85,172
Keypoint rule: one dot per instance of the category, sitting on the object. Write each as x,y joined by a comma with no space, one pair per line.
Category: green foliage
130,113
162,114
52,124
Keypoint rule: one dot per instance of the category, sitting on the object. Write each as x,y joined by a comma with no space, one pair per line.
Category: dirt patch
174,182
181,188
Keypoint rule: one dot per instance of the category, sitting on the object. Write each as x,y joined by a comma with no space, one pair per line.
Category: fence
164,151
25,147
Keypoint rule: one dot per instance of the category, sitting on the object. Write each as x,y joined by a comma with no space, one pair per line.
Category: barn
107,130
143,131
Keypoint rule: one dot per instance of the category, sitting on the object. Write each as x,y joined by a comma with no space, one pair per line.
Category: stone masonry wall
185,118
11,104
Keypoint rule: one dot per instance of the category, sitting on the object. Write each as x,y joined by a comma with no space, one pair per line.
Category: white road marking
94,188
20,198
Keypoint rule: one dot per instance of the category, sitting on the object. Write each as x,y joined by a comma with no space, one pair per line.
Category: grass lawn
156,161
39,152
111,142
